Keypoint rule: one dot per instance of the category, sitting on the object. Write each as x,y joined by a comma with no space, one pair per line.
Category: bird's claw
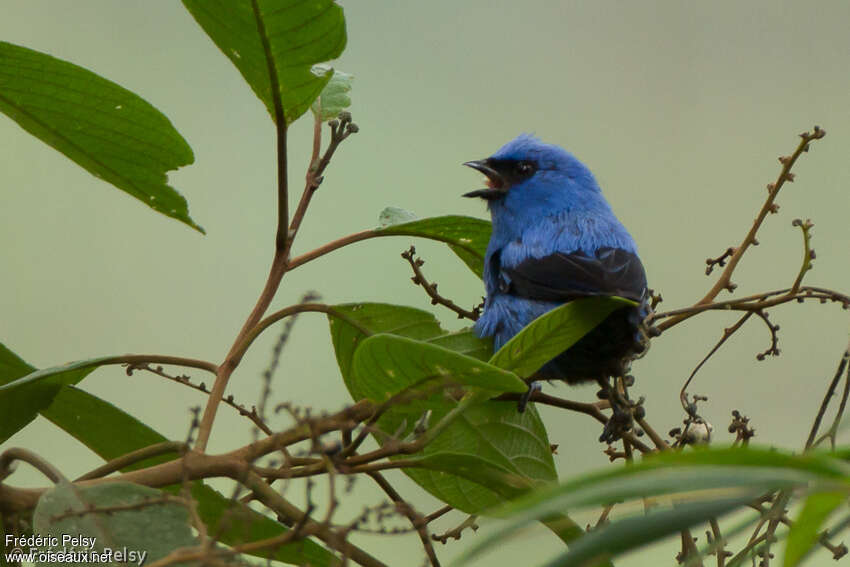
526,397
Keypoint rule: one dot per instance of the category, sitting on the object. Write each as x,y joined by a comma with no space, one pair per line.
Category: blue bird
556,239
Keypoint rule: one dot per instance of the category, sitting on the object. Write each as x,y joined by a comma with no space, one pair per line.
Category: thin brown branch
341,129
754,302
808,253
135,457
418,522
141,359
457,531
773,349
659,442
593,410
830,391
202,387
225,370
270,497
773,190
727,332
769,206
9,456
431,288
438,513
334,245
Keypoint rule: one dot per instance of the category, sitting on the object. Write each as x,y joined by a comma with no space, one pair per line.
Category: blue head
529,180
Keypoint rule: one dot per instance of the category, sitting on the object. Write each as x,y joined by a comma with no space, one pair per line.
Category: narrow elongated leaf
685,474
632,533
334,98
554,332
24,392
294,34
148,531
111,132
804,533
110,433
466,236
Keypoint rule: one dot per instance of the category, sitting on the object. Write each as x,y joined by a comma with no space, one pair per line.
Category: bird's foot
523,401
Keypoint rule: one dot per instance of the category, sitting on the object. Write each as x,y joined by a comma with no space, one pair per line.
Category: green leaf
465,342
110,433
234,523
552,333
740,469
139,521
386,364
375,318
509,450
631,533
298,34
511,443
394,215
24,392
111,132
466,236
334,98
102,427
805,531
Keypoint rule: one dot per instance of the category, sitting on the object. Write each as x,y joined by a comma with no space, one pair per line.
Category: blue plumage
555,239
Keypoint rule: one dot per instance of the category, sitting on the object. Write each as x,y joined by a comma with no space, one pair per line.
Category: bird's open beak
496,183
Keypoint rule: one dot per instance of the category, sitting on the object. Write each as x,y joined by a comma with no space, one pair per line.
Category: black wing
566,276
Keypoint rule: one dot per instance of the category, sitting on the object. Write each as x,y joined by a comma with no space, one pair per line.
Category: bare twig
719,261
773,349
457,531
134,457
769,206
845,357
808,253
419,523
431,288
593,410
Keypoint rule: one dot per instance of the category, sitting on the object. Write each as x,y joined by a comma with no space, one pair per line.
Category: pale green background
680,109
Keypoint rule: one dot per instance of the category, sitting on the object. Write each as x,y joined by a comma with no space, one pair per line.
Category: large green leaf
554,332
291,35
509,449
513,445
133,518
24,392
111,132
466,236
738,470
110,433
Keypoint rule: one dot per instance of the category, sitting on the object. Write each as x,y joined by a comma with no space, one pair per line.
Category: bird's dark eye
525,168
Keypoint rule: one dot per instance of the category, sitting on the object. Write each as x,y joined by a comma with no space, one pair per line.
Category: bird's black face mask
501,175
